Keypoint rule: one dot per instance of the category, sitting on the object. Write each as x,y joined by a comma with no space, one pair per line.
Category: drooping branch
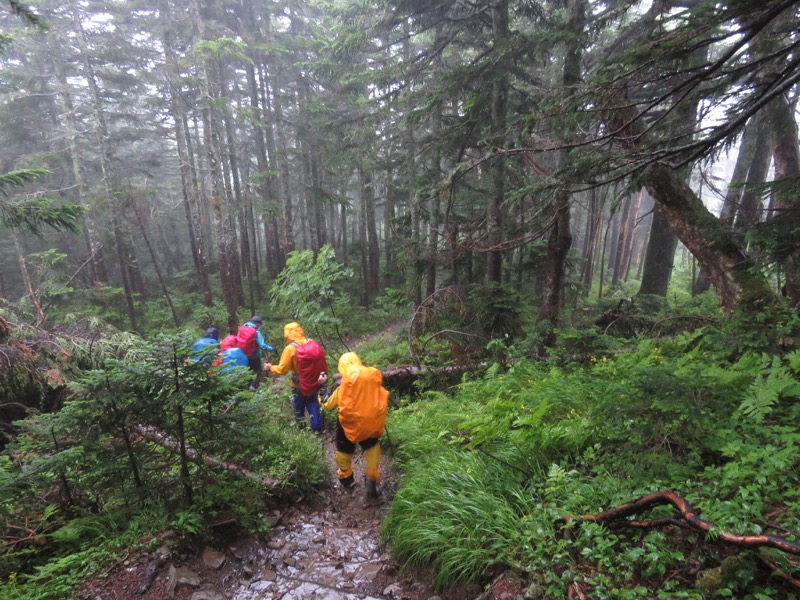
153,435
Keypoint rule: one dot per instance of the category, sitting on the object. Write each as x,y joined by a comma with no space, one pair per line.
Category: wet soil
326,546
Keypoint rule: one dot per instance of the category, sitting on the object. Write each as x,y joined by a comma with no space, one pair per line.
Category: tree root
687,518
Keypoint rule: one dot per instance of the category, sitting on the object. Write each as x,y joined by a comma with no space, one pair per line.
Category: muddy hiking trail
321,546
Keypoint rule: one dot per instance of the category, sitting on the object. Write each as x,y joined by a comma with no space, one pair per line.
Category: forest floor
325,546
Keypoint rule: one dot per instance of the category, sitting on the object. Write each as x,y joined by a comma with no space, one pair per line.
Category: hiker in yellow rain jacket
304,376
362,401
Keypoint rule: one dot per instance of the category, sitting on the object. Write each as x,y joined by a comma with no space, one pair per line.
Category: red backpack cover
246,340
310,363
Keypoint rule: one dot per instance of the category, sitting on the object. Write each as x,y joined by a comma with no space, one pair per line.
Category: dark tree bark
495,219
786,159
370,222
747,150
560,239
659,256
707,238
750,205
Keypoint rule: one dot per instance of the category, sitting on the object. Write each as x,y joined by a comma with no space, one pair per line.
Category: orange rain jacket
361,398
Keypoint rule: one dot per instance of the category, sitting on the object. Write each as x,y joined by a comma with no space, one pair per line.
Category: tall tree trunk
658,257
213,151
500,85
434,207
750,205
630,236
747,149
560,239
287,223
622,238
197,239
154,258
371,225
127,262
786,160
98,273
413,201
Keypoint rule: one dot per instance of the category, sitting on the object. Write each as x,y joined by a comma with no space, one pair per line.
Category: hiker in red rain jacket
306,360
251,341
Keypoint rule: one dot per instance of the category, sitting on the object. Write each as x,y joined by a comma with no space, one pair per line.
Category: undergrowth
491,470
108,470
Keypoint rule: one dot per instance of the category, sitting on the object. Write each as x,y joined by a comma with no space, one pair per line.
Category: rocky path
323,547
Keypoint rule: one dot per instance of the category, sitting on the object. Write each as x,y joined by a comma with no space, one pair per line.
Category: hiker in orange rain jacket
305,384
362,401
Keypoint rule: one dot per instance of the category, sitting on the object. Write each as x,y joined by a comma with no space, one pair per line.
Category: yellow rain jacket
292,332
361,398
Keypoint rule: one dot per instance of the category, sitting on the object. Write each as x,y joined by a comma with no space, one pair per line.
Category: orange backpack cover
362,399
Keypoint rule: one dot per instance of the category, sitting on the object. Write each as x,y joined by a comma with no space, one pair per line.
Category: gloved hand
270,348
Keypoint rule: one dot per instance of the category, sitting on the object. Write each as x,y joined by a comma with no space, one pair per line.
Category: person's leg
254,362
372,458
344,457
314,410
299,406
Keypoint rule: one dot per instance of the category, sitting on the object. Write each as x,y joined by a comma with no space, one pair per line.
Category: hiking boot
348,482
253,388
372,489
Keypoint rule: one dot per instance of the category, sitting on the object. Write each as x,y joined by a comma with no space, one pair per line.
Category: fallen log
153,435
687,517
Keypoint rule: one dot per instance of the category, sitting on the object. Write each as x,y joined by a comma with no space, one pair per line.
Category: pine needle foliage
33,214
114,453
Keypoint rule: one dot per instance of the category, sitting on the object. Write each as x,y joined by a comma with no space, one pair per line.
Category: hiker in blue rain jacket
211,338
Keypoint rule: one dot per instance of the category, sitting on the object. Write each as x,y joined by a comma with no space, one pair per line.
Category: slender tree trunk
750,205
560,239
630,236
154,258
413,201
98,273
127,261
744,159
287,225
434,208
188,180
619,253
370,223
219,203
494,220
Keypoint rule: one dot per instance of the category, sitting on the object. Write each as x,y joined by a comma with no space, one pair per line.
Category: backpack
363,402
310,363
246,339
